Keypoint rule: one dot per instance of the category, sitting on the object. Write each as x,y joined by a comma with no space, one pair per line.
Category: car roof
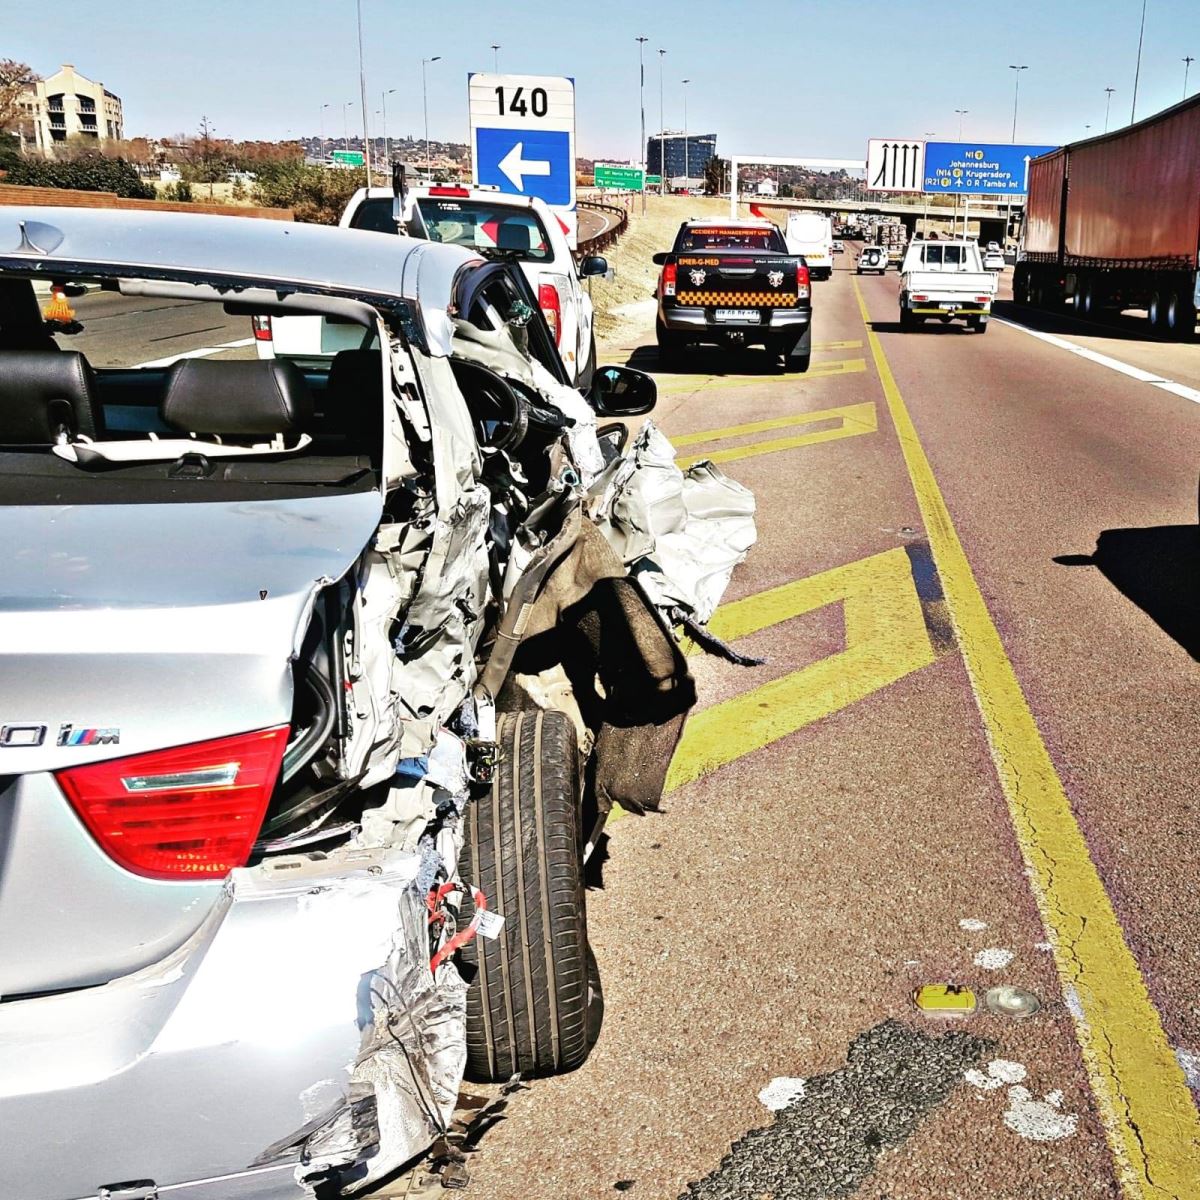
730,223
416,192
248,249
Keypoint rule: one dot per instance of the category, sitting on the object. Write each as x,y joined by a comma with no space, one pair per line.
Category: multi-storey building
67,104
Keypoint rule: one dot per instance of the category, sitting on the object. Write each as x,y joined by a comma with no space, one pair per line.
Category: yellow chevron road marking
853,419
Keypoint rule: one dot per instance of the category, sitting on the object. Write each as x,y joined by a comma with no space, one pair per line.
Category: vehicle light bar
190,812
449,191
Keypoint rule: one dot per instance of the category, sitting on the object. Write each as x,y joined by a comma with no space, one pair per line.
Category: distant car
838,246
992,246
871,258
993,260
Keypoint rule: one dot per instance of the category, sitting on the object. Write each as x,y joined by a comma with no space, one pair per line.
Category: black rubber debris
826,1142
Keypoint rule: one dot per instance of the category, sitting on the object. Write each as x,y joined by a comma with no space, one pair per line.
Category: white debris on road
1038,1120
994,958
782,1091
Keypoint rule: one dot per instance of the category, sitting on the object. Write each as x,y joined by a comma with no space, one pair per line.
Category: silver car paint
207,1061
186,634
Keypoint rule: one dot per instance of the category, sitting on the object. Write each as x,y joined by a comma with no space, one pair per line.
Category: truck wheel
906,320
1180,319
534,1004
978,324
1156,310
670,345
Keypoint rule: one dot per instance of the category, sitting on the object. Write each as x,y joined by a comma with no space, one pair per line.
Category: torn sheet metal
680,533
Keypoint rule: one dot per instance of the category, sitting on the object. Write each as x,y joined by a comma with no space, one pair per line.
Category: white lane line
203,352
1113,364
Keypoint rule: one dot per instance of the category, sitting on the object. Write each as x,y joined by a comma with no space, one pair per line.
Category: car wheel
977,324
1156,310
533,1005
1180,317
670,345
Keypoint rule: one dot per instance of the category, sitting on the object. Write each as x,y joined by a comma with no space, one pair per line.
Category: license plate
747,315
948,307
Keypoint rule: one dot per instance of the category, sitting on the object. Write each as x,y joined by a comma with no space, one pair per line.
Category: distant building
767,187
684,157
67,104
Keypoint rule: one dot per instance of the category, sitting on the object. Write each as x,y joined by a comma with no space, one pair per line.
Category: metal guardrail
602,241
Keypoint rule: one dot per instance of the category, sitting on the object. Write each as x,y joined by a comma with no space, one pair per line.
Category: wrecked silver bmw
316,683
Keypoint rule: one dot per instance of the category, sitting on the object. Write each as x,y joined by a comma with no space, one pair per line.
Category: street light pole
662,125
642,104
1187,66
1016,95
496,48
1107,105
362,92
687,173
1138,68
425,105
346,124
387,149
323,108
962,112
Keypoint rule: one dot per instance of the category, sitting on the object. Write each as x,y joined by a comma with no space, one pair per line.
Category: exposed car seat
47,396
237,399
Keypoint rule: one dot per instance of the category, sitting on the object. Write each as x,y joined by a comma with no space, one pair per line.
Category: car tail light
982,299
191,812
551,307
449,191
262,329
803,288
668,280
920,299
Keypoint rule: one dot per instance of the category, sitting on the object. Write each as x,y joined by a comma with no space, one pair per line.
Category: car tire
977,324
670,346
1179,319
533,1006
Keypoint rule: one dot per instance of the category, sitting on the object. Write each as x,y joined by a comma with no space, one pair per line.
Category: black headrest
47,396
237,399
514,235
21,324
354,393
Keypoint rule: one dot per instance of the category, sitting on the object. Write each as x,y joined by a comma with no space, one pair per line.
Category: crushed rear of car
297,665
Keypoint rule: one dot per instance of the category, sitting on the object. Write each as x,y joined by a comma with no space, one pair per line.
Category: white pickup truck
945,280
512,228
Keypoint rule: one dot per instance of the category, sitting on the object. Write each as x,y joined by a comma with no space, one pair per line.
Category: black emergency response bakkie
734,283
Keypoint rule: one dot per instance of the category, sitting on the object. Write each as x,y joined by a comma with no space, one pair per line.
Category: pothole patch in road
827,1141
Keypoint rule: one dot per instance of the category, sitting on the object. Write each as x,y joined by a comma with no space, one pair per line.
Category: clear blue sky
774,76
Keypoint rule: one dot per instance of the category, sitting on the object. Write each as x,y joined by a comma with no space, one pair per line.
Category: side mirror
593,265
622,392
660,258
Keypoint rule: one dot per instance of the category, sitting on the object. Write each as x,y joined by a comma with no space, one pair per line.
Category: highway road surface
970,759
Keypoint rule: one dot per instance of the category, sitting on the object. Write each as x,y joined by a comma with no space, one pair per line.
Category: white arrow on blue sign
523,138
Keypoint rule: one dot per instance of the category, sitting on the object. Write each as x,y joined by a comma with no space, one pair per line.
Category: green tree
315,194
715,173
88,173
15,80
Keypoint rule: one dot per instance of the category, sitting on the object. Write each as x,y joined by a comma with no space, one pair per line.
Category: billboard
979,168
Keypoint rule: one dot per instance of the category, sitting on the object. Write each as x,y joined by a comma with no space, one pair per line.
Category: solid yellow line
1151,1120
886,639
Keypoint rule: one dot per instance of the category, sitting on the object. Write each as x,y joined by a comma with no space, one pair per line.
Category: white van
811,234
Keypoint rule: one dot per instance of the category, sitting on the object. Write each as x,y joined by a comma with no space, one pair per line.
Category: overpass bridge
995,217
